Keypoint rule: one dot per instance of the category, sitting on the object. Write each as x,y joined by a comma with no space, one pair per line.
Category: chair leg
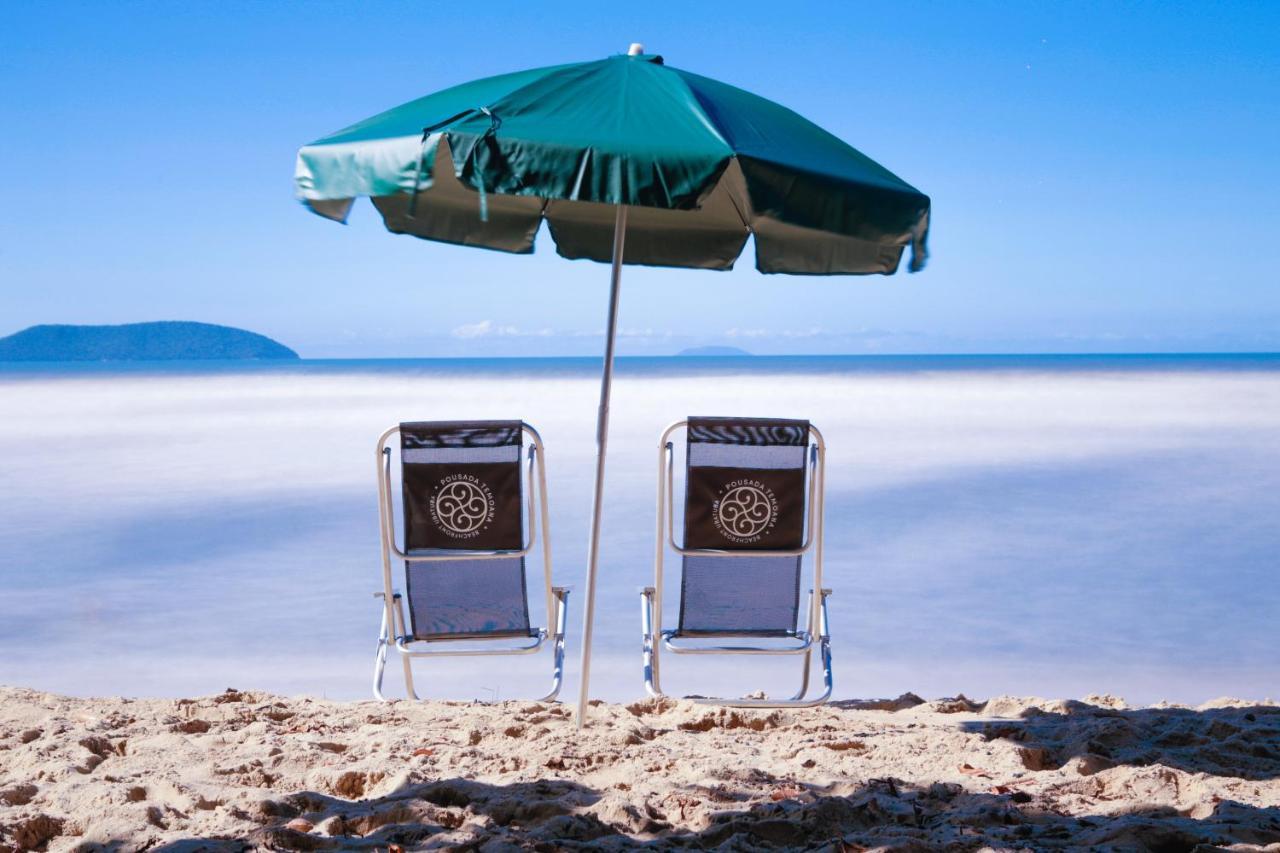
649,650
399,630
387,636
824,652
828,682
824,629
805,663
557,644
808,656
380,658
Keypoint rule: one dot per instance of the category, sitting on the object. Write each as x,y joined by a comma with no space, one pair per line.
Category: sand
250,770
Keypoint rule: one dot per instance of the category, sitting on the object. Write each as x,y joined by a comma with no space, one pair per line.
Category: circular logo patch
463,506
745,511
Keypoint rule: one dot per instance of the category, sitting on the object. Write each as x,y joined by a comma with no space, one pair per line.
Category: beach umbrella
629,161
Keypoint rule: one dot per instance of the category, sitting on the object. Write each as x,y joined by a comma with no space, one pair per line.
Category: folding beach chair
466,536
752,510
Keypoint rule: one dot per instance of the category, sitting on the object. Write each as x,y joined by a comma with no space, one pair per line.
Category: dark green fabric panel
409,119
813,200
623,130
765,130
797,172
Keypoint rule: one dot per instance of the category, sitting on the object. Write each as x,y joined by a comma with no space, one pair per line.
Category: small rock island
163,341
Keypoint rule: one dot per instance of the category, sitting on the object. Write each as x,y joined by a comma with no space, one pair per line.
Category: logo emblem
463,506
746,511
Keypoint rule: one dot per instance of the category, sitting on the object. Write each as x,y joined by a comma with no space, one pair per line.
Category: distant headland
163,341
713,350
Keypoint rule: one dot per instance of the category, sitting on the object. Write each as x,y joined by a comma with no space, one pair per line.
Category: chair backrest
463,491
744,491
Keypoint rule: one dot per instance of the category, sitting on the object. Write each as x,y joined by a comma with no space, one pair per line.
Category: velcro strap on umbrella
494,124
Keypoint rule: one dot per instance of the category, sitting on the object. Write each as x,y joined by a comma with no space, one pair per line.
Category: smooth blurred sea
1052,525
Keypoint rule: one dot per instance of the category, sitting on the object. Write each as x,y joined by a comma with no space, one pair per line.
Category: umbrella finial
636,49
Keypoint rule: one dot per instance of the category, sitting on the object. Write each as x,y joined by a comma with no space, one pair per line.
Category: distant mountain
713,351
166,341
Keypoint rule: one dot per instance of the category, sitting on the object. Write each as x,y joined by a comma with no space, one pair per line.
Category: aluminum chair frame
817,622
394,633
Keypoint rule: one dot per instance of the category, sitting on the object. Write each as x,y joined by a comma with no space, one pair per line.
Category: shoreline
637,366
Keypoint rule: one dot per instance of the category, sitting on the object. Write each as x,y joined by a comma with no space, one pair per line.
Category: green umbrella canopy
701,165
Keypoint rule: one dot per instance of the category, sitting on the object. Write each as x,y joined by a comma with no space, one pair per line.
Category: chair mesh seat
468,598
745,491
462,491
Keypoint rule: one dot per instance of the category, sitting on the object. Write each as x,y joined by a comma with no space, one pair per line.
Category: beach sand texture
245,769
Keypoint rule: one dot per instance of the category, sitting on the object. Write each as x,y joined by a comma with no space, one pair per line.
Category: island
713,351
162,341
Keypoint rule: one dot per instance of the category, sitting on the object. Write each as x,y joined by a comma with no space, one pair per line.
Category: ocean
1044,525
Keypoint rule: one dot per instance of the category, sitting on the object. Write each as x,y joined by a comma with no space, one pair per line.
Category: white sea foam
1041,532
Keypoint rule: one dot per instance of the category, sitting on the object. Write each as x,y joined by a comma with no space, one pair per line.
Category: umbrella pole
602,443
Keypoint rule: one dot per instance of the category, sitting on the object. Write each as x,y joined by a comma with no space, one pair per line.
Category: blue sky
1104,175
